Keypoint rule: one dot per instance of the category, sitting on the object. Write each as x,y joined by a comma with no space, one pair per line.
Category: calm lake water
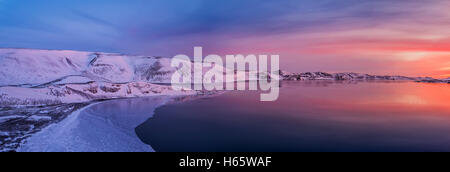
308,116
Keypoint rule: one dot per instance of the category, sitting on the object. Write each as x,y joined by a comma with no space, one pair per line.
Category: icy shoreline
98,127
19,123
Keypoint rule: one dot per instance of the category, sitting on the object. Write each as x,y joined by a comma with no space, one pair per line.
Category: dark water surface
308,116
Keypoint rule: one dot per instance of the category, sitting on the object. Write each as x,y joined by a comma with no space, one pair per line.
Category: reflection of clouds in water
411,99
377,116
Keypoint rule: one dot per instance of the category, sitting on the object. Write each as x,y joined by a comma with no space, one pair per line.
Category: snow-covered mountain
40,68
42,77
36,67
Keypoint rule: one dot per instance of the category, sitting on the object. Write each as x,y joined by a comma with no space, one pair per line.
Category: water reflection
309,116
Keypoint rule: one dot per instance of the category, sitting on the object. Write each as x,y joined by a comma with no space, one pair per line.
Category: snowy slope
36,67
23,66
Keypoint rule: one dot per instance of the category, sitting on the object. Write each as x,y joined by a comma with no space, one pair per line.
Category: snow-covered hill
36,67
42,68
43,77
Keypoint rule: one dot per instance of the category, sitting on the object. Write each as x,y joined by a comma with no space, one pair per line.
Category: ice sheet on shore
101,127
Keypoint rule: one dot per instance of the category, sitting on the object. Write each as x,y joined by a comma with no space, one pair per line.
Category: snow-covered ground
19,123
100,127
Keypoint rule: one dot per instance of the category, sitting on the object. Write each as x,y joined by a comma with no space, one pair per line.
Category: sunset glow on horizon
377,37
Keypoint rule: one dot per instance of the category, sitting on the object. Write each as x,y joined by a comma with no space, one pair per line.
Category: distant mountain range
354,77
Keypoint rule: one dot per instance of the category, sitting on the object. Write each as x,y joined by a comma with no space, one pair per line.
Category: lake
308,116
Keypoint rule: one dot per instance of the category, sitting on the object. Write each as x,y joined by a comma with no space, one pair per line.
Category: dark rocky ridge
354,77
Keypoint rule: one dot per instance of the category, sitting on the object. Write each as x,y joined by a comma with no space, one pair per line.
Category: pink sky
415,45
394,37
